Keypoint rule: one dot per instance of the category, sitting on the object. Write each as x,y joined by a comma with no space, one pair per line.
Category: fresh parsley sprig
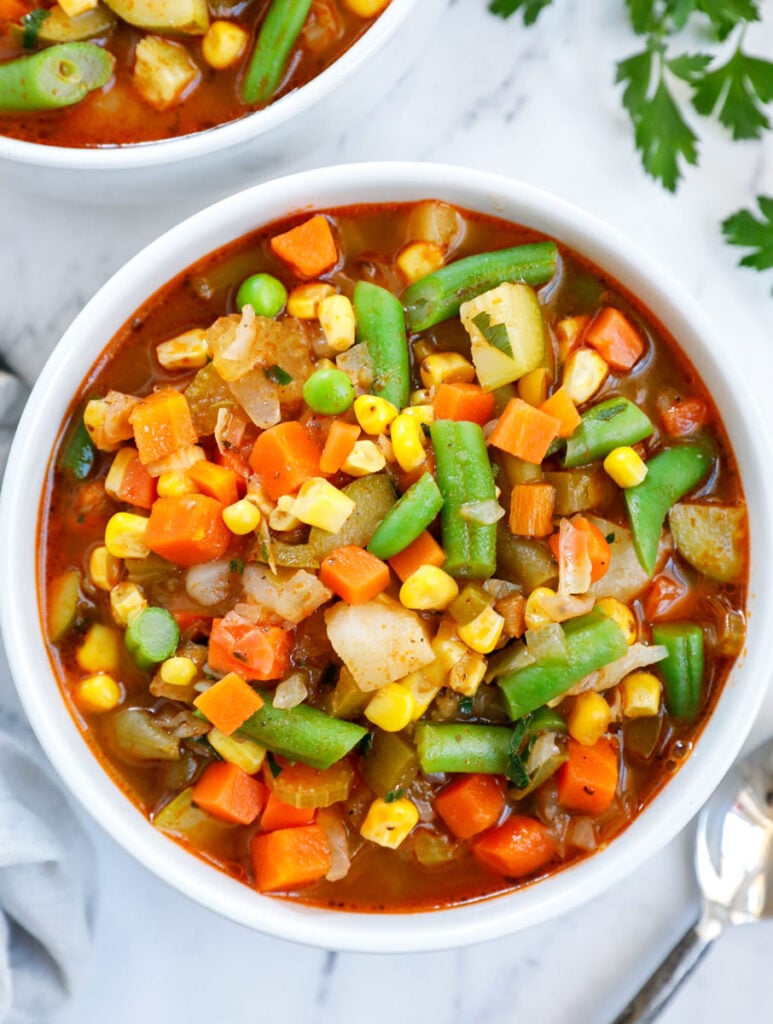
729,84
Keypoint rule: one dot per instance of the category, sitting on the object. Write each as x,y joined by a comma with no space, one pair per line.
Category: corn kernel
422,690
188,351
374,414
622,615
242,517
483,633
569,333
303,302
423,348
126,603
421,412
320,504
535,615
245,754
625,466
467,675
72,8
125,535
446,368
325,364
364,458
428,589
98,693
99,650
175,484
389,824
223,44
104,568
422,396
178,671
584,373
336,317
589,718
179,461
640,692
419,259
281,518
533,387
391,708
407,436
123,458
448,650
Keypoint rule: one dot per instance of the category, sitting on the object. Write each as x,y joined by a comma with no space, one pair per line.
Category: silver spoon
734,864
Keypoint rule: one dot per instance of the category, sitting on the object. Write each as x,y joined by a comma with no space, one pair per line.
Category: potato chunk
163,71
712,538
507,333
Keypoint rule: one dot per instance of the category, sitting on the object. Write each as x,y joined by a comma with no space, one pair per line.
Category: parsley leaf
516,769
32,24
278,375
750,232
495,334
531,9
394,795
236,565
738,88
726,14
661,133
273,764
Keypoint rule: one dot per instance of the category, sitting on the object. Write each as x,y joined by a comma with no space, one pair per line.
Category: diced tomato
255,652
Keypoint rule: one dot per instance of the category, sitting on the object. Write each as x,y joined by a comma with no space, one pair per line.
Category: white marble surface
539,105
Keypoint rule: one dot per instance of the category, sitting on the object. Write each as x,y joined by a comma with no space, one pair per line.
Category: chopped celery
391,764
301,786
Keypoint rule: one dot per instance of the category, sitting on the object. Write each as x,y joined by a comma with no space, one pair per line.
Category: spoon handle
672,971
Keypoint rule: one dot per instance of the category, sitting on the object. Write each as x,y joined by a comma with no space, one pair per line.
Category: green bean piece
302,733
464,475
615,423
452,747
411,514
278,35
152,637
546,719
56,77
391,764
682,670
381,325
439,295
670,475
80,454
592,641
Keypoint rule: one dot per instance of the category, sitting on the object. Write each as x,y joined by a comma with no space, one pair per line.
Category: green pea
264,293
328,392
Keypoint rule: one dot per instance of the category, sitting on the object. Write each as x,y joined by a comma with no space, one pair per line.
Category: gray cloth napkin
46,862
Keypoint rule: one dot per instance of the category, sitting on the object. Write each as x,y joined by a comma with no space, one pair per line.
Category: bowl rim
72,358
161,152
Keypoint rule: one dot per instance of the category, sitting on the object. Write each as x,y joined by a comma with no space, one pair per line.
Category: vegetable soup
113,72
393,557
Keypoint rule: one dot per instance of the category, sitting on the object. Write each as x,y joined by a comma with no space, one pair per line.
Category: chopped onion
500,588
625,577
232,343
210,582
229,430
259,397
636,657
338,843
544,748
546,643
358,364
581,834
138,738
291,692
561,607
292,596
484,512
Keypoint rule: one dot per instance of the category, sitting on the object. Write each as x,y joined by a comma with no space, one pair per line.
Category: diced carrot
187,529
229,702
289,858
524,431
277,814
598,548
354,574
310,248
284,456
219,482
463,402
229,793
516,848
562,408
162,425
136,486
531,509
255,652
425,550
470,804
615,339
13,10
588,780
341,438
685,417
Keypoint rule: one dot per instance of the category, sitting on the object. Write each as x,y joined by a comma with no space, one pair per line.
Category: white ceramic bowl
25,478
242,152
